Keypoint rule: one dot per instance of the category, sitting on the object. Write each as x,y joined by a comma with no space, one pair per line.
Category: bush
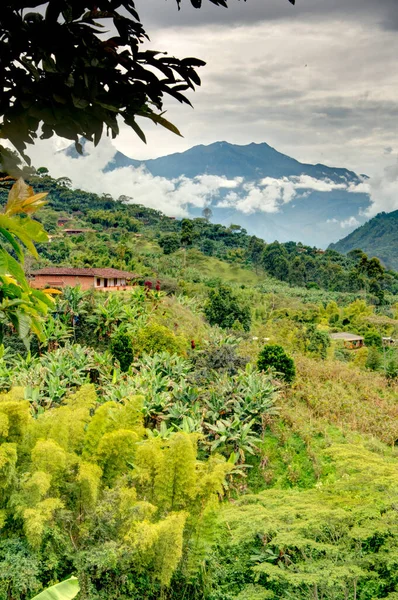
157,338
318,342
392,370
374,359
372,338
224,309
274,356
222,358
122,349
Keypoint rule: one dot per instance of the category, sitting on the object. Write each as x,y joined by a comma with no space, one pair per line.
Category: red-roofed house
100,279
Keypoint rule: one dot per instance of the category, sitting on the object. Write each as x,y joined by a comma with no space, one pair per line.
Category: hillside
268,193
378,237
199,435
135,238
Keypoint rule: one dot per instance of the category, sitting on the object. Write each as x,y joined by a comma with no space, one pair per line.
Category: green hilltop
378,237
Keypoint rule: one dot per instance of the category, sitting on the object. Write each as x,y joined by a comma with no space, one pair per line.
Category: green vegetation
65,590
223,308
378,237
20,305
140,239
199,436
274,357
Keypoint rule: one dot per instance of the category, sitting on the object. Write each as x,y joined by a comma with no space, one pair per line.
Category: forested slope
199,436
118,229
378,237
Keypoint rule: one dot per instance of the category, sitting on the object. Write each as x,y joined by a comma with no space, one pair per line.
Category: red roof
107,272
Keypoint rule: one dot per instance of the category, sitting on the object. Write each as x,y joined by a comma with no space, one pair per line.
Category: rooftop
106,272
347,337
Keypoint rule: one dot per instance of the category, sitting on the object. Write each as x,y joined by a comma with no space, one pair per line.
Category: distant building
389,341
99,279
63,221
350,340
77,230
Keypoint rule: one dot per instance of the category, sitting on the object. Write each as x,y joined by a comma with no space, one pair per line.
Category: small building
100,279
62,221
77,231
350,340
389,341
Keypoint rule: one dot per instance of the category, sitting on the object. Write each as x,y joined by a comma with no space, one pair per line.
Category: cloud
322,90
172,197
382,13
270,194
350,222
175,197
383,191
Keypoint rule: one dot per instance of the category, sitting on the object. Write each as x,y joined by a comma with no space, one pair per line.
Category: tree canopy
72,67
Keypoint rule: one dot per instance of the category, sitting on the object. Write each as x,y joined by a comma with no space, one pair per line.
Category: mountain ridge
378,237
272,195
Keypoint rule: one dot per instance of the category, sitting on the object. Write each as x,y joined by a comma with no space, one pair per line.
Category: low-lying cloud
175,197
269,195
171,196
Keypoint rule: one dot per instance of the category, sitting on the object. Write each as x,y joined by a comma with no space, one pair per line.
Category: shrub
392,369
318,342
122,349
274,356
372,338
157,338
223,358
224,309
374,359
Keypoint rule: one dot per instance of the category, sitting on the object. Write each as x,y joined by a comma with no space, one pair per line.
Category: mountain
378,237
270,194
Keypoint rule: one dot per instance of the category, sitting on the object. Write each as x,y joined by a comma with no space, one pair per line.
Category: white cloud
384,191
270,194
175,197
200,190
172,197
350,222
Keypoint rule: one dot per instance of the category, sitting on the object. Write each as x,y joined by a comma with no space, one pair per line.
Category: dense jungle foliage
199,435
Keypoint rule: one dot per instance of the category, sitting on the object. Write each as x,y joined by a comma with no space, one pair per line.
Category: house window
98,281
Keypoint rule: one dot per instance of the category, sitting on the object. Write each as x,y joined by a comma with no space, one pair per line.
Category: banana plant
65,590
231,435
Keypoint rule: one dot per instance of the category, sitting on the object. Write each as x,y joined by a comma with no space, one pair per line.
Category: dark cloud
155,13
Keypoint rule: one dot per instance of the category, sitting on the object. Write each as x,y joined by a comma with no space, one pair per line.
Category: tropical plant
233,436
106,316
21,305
65,590
54,375
156,338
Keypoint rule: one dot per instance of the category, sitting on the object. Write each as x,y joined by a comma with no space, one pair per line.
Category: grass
354,400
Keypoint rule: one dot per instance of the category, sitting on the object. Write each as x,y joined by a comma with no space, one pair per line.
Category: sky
318,81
